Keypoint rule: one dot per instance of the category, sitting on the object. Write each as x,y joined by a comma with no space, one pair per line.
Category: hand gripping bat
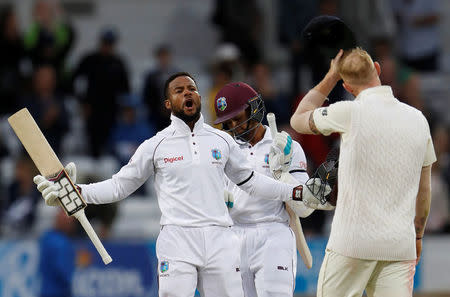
51,168
294,221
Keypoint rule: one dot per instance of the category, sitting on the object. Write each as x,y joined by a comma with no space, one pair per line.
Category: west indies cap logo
216,154
266,159
221,103
164,266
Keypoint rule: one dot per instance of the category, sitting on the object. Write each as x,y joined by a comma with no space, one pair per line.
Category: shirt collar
380,91
182,127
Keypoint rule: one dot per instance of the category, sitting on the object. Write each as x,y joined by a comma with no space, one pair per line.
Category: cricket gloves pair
49,190
280,154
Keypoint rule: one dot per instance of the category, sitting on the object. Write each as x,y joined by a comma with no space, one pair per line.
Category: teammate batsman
268,253
188,162
384,173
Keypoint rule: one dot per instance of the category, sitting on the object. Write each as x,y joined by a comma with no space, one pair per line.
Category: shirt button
195,153
251,154
193,143
192,135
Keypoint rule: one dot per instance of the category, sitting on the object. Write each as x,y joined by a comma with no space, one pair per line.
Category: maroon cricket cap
231,100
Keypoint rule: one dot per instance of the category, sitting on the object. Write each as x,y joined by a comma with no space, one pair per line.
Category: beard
187,118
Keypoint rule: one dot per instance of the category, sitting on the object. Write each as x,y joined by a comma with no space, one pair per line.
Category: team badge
216,154
324,112
221,103
164,266
266,159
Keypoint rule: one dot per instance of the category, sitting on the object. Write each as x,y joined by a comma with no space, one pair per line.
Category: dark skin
184,100
241,117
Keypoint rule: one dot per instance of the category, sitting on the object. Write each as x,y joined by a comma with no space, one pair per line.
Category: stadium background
186,30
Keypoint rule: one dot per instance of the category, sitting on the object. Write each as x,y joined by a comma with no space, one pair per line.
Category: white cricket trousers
342,276
268,259
206,258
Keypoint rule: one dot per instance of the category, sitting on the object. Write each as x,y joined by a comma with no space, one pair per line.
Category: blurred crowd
93,103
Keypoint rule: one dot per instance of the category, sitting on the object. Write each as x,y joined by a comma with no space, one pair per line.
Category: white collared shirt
252,210
384,145
189,169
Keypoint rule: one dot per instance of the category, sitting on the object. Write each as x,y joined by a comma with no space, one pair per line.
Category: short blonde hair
356,67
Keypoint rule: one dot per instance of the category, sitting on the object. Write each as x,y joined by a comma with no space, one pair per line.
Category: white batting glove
280,154
228,198
49,190
310,200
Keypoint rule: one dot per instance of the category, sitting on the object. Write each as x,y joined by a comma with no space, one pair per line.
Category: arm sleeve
126,181
334,118
430,155
239,171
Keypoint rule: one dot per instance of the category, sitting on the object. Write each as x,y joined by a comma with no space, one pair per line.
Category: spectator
105,77
404,81
47,107
418,33
50,37
21,199
153,91
275,100
241,23
57,257
130,131
12,54
293,16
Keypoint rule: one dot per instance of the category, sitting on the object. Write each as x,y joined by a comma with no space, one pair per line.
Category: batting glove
50,192
280,154
229,198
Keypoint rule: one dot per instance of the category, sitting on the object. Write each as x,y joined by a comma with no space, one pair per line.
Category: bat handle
272,124
81,217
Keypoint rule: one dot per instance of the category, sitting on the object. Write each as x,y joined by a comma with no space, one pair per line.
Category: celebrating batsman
188,162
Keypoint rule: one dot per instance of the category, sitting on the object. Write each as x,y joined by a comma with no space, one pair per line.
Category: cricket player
384,195
188,162
268,252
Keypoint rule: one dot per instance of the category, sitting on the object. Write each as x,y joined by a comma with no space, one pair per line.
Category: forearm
267,188
423,203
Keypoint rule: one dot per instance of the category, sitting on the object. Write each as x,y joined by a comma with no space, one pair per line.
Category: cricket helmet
235,97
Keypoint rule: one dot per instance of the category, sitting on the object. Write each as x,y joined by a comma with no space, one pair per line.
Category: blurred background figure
153,90
241,23
20,200
130,130
50,37
418,38
405,82
57,257
104,77
47,106
261,78
12,55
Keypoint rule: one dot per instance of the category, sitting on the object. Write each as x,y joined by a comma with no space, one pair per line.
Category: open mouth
189,103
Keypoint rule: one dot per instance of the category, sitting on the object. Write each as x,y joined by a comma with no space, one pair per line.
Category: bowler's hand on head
334,68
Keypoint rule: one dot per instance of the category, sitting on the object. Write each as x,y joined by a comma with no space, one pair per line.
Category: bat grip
272,124
81,217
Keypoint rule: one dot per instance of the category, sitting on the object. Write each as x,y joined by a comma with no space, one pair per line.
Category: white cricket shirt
384,145
188,168
250,210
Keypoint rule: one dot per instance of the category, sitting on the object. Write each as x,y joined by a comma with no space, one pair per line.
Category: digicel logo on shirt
173,159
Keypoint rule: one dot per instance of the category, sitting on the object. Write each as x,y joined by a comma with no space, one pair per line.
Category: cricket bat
51,168
294,221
